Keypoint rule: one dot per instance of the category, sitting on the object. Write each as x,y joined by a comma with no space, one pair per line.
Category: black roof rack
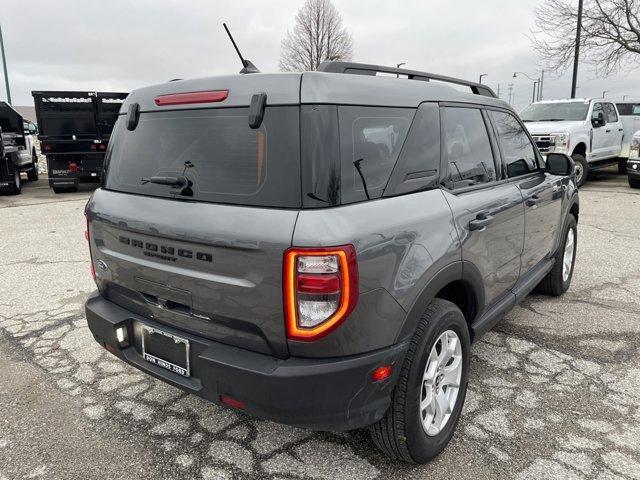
365,69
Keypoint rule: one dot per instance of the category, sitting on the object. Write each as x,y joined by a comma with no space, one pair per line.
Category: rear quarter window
371,139
224,159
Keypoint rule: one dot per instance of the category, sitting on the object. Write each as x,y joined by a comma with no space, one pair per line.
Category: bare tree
318,35
610,38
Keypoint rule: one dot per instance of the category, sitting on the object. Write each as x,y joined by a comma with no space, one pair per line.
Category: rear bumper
323,394
631,171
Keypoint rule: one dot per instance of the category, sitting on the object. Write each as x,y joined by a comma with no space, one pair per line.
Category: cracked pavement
553,389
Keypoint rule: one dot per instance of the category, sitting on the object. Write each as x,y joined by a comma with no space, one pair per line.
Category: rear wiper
364,182
180,181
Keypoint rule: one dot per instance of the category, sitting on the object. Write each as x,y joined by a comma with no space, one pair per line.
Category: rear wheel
634,182
16,185
32,174
427,400
59,189
558,279
582,169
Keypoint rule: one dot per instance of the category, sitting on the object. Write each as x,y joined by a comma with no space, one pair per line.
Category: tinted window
370,140
466,148
419,162
632,109
224,160
517,150
611,114
554,112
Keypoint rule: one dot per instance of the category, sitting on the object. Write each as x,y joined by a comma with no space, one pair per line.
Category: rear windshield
630,109
223,159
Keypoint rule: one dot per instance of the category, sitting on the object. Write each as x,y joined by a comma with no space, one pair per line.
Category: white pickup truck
590,130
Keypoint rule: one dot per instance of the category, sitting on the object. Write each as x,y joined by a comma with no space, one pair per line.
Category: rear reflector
382,373
232,402
320,290
192,97
73,167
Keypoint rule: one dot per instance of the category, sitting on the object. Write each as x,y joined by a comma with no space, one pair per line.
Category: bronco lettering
150,249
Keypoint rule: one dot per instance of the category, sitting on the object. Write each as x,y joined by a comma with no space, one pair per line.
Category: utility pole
482,75
540,85
4,65
398,66
574,81
510,92
604,93
498,90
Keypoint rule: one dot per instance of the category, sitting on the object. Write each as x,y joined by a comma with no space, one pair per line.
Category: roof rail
366,69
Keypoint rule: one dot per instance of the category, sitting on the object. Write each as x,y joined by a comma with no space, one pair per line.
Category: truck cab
589,130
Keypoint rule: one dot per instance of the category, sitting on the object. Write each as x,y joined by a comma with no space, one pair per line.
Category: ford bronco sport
321,248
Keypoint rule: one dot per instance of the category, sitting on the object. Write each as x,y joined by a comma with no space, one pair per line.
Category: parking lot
553,388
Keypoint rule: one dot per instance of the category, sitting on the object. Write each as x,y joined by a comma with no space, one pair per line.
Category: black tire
634,182
622,166
59,189
554,283
16,183
32,174
400,433
582,169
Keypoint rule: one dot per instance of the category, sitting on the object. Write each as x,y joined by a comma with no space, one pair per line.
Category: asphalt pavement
553,390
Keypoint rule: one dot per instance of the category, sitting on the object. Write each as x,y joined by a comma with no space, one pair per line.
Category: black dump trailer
74,132
15,151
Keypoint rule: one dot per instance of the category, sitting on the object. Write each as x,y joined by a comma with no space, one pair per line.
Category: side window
419,162
611,114
597,110
370,141
517,150
466,148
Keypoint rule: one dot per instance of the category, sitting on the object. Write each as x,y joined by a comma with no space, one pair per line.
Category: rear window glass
370,141
223,159
629,109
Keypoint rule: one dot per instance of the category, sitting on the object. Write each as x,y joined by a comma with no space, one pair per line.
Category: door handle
620,129
533,201
608,130
481,222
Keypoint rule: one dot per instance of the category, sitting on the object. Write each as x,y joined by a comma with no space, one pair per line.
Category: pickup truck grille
543,142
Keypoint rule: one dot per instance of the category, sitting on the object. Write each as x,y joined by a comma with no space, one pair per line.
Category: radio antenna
247,66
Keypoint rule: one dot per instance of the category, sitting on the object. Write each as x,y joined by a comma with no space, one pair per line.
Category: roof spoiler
366,69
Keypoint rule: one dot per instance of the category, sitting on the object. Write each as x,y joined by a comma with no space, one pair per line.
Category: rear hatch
204,257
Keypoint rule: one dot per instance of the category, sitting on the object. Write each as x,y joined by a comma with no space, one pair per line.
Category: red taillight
232,402
192,97
382,373
87,237
73,167
103,146
320,290
93,146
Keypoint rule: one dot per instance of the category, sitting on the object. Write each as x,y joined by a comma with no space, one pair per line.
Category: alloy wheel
441,383
567,260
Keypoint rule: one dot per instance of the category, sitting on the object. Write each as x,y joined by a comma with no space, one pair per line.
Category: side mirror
598,121
560,164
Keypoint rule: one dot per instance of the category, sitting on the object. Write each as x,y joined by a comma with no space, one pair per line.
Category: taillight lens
88,239
320,290
73,167
210,96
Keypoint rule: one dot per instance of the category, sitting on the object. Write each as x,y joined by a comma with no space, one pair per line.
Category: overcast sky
121,45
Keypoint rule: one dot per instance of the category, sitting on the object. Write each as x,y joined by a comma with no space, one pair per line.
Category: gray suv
321,248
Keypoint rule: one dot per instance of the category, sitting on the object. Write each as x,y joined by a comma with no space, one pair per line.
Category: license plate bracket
166,350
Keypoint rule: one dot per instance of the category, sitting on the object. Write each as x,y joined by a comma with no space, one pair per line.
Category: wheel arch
580,149
460,283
